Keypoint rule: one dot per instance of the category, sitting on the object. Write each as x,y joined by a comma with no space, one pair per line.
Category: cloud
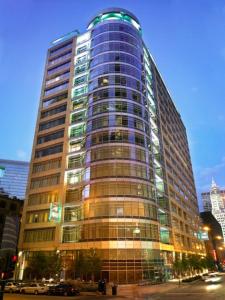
21,154
213,170
204,176
194,89
221,118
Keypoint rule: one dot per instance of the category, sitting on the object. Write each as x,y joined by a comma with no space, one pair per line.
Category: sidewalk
135,292
141,292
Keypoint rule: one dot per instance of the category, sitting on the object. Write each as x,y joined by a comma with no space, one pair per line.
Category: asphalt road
188,291
46,297
191,291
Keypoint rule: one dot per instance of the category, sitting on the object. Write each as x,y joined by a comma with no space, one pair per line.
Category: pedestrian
103,287
100,286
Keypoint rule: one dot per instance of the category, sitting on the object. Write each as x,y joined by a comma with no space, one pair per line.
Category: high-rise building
10,215
206,199
13,177
217,204
111,168
213,237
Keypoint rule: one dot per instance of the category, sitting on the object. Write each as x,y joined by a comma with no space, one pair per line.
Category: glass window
80,80
53,111
56,88
50,124
47,165
39,235
81,69
49,151
80,91
50,137
45,181
77,131
60,58
42,198
82,49
60,49
55,99
58,68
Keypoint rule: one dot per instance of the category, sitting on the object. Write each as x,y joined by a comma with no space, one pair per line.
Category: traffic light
12,262
11,266
14,259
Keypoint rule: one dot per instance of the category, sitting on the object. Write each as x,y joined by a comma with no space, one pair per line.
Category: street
168,291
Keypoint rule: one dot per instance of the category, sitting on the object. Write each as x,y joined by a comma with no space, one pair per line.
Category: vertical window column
76,173
156,147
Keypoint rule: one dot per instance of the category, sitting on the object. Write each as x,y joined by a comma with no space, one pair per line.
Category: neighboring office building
110,166
10,214
207,206
215,243
13,177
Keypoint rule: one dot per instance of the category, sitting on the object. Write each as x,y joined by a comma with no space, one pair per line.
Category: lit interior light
136,230
73,180
206,228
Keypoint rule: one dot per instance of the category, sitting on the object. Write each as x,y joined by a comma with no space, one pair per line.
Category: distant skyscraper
13,178
111,167
217,204
206,200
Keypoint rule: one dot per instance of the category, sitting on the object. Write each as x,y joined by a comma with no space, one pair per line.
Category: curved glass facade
120,203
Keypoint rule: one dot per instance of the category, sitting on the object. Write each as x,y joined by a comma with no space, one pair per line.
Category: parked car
34,288
213,278
63,289
11,287
204,276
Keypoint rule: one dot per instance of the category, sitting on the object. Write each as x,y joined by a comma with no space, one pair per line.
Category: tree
208,263
37,266
94,263
195,263
81,265
54,265
42,265
88,263
178,268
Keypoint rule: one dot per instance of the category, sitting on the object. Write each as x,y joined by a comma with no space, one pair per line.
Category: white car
11,287
34,288
213,278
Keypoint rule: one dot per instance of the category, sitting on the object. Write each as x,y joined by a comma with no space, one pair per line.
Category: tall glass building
110,168
13,177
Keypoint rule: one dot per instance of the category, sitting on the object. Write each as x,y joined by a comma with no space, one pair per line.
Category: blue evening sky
186,38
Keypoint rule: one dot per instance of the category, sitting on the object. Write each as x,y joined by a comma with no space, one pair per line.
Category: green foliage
81,265
54,265
192,264
37,266
41,265
88,263
208,263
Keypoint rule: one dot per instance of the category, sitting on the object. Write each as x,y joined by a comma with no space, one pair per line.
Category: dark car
63,289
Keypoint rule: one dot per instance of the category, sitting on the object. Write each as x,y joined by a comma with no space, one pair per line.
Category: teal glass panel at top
115,16
66,37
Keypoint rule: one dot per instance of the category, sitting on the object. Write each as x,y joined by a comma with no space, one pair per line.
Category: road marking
187,293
